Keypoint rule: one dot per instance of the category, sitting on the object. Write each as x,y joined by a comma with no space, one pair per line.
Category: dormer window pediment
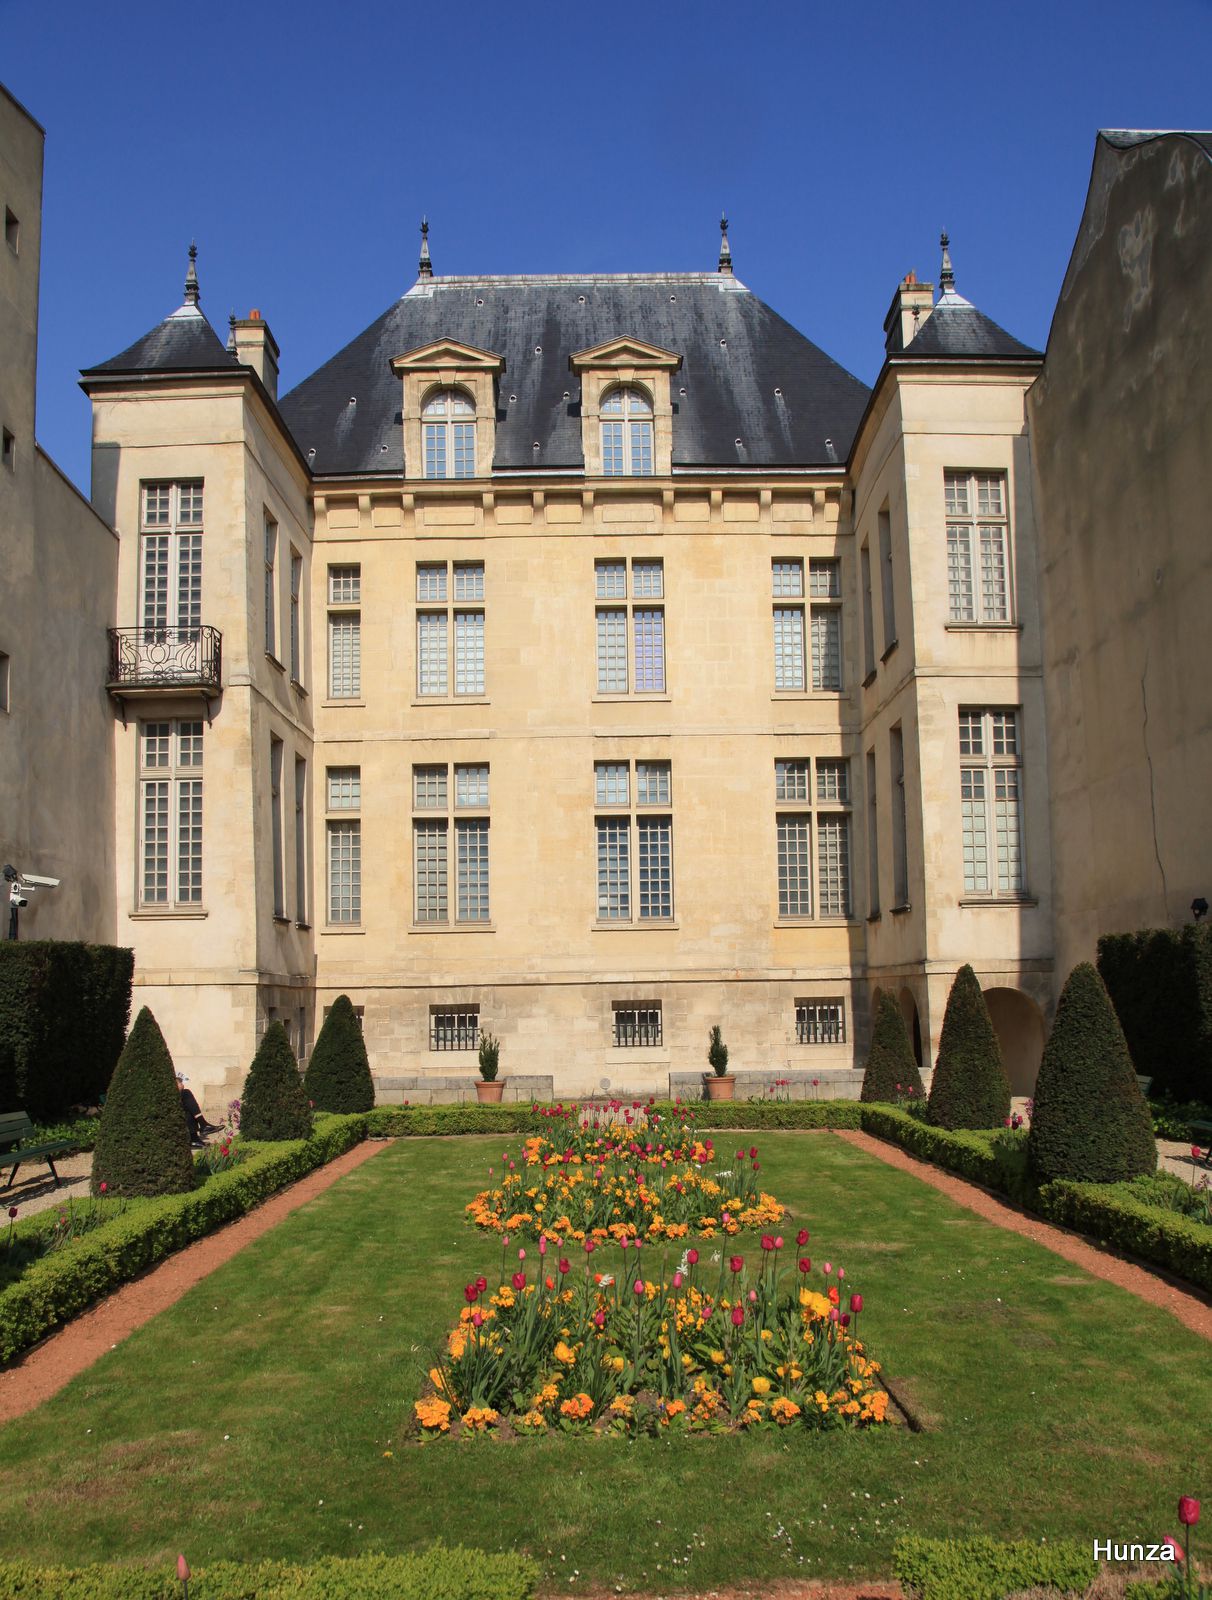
626,407
449,409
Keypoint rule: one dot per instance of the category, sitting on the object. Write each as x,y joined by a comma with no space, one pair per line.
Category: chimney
911,305
257,348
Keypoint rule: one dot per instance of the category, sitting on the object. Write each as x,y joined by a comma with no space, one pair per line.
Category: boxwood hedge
981,1568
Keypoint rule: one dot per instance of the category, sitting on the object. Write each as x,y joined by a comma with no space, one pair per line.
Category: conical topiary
1090,1120
970,1088
891,1070
338,1074
274,1105
143,1142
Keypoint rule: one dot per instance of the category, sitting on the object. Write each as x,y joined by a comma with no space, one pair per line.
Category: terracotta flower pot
489,1094
720,1088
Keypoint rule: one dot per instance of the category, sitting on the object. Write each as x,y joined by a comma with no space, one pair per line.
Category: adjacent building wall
1121,425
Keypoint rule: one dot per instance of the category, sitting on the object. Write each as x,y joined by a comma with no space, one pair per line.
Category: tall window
648,891
275,795
978,547
825,589
433,890
626,434
873,841
170,555
868,614
802,804
296,639
271,587
900,840
991,780
889,580
345,632
825,624
450,612
301,841
631,629
170,814
344,830
448,433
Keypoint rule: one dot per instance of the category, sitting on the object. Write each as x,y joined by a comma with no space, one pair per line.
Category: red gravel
1192,1308
49,1366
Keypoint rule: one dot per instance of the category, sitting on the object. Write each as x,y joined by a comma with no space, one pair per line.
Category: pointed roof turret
956,328
725,248
183,342
424,265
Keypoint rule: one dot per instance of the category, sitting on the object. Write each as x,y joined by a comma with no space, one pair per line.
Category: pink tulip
828,1268
521,1254
778,1241
183,1569
856,1303
841,1273
677,1280
753,1297
833,1314
477,1319
542,1244
638,1286
624,1242
599,1319
589,1247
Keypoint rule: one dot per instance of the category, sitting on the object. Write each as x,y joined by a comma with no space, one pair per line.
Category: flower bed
620,1175
703,1349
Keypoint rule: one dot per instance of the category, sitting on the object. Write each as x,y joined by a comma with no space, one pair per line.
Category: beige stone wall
59,560
1121,422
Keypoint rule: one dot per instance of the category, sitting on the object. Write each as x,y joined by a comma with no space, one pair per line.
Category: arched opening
1019,1025
913,1023
626,433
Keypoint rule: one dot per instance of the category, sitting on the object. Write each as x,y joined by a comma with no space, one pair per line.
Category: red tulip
183,1569
735,1263
1195,1152
104,1187
801,1237
753,1152
692,1258
805,1263
549,1281
1188,1511
856,1303
767,1242
845,1319
599,1319
738,1316
519,1280
12,1212
470,1294
833,1314
477,1319
589,1247
481,1285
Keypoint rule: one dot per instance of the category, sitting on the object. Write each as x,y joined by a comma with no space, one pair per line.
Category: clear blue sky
301,142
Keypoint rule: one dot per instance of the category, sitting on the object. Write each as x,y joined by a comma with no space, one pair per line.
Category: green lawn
251,1419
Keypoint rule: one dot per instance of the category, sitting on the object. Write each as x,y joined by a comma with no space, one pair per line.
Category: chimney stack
257,348
911,305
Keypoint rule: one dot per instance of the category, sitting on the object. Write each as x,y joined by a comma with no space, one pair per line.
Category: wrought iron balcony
143,660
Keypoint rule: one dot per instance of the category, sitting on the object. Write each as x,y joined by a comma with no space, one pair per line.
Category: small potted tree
488,1089
721,1083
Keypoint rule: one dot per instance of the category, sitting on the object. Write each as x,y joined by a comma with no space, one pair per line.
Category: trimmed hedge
970,1088
143,1142
968,1152
273,1104
60,1286
64,1007
1105,1212
405,1122
981,1568
891,1068
1160,983
338,1073
439,1573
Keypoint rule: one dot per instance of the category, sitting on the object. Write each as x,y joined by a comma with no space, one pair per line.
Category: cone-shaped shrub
143,1141
338,1074
970,1087
273,1105
891,1069
1090,1120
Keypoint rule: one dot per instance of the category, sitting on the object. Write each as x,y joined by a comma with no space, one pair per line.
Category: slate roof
746,374
1125,138
956,328
183,342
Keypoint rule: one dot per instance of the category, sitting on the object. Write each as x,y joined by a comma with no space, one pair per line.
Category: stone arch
913,1022
1019,1025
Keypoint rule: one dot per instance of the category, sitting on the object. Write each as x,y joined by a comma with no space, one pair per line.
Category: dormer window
626,434
449,434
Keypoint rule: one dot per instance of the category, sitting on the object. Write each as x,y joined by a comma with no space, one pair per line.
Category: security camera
39,882
16,898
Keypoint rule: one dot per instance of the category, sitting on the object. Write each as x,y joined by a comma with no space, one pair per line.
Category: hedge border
405,1122
52,1291
982,1568
1101,1211
439,1573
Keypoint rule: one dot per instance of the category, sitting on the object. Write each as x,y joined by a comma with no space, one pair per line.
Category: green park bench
15,1126
1201,1134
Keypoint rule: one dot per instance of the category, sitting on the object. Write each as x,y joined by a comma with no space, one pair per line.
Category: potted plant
488,1090
721,1084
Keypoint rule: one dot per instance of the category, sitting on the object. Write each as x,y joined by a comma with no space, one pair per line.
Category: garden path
51,1365
1193,1309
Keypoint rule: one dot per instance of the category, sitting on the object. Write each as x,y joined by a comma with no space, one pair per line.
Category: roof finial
946,277
725,248
231,332
425,265
191,277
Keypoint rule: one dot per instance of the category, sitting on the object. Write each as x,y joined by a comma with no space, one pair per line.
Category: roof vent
353,399
479,299
512,398
538,349
682,391
535,445
778,391
723,344
672,298
580,299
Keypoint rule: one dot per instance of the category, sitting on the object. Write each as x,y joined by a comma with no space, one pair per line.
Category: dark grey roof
751,391
956,328
183,342
1125,138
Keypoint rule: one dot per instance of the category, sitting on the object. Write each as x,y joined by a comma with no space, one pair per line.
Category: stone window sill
640,697
634,924
341,701
451,700
453,927
168,913
890,649
983,627
344,930
817,922
274,662
998,900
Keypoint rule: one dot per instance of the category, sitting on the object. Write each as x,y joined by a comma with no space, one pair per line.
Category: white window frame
343,846
992,830
635,882
628,434
271,587
171,780
809,654
171,512
451,806
448,434
814,832
451,627
345,617
980,566
629,626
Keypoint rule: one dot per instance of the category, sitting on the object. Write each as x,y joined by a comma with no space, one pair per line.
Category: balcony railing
165,658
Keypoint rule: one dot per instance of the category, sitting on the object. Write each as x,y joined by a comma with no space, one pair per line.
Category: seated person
194,1120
